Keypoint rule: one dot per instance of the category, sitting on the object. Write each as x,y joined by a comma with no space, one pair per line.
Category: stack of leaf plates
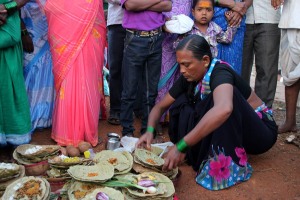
148,161
64,162
148,158
88,191
10,172
28,188
122,161
164,187
29,153
98,173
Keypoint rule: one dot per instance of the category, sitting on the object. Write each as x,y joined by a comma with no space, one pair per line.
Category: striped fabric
38,67
77,40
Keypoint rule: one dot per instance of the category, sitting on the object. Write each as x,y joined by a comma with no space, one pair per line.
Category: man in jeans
262,38
116,36
143,21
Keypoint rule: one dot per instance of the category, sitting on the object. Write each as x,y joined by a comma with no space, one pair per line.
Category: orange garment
77,38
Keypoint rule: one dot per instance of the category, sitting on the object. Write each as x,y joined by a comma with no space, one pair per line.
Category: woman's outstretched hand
145,141
173,159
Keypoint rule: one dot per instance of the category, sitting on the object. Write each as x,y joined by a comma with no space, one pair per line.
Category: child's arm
179,38
225,36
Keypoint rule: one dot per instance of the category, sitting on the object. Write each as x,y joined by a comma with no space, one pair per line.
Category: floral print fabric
220,171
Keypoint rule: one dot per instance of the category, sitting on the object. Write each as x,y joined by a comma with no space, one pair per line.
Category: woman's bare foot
283,128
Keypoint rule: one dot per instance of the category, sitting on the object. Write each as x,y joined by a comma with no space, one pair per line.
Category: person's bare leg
291,96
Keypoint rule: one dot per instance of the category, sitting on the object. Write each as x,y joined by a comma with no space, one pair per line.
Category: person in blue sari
233,52
37,65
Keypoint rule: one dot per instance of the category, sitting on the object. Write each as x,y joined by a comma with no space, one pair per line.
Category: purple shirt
143,20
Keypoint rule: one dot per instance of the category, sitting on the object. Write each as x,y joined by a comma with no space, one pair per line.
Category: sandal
113,121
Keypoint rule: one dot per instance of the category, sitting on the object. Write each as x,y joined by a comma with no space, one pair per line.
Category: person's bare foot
284,128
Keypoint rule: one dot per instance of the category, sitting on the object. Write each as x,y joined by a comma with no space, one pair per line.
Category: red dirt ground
276,173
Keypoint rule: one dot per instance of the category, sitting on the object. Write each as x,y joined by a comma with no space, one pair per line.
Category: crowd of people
196,80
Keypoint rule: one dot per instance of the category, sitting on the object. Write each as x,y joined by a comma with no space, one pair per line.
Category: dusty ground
276,173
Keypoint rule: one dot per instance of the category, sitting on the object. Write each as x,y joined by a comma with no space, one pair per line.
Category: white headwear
179,24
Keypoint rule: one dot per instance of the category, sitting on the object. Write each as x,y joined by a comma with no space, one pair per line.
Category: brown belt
145,33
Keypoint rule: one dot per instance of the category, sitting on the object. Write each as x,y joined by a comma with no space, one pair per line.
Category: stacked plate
28,153
164,188
87,191
148,161
56,173
64,162
122,161
28,188
60,164
98,173
9,172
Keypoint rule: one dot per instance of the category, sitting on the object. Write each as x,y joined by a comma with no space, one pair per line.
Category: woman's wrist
182,146
226,3
232,5
150,129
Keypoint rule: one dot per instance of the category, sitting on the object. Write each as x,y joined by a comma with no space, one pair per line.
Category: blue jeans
116,37
142,57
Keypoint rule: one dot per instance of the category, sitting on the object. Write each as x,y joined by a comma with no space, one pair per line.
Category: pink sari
77,39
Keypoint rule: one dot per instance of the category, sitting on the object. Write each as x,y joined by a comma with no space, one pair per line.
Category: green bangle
150,129
217,2
182,146
11,6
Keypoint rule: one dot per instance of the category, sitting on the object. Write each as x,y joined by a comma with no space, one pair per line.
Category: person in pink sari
77,40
